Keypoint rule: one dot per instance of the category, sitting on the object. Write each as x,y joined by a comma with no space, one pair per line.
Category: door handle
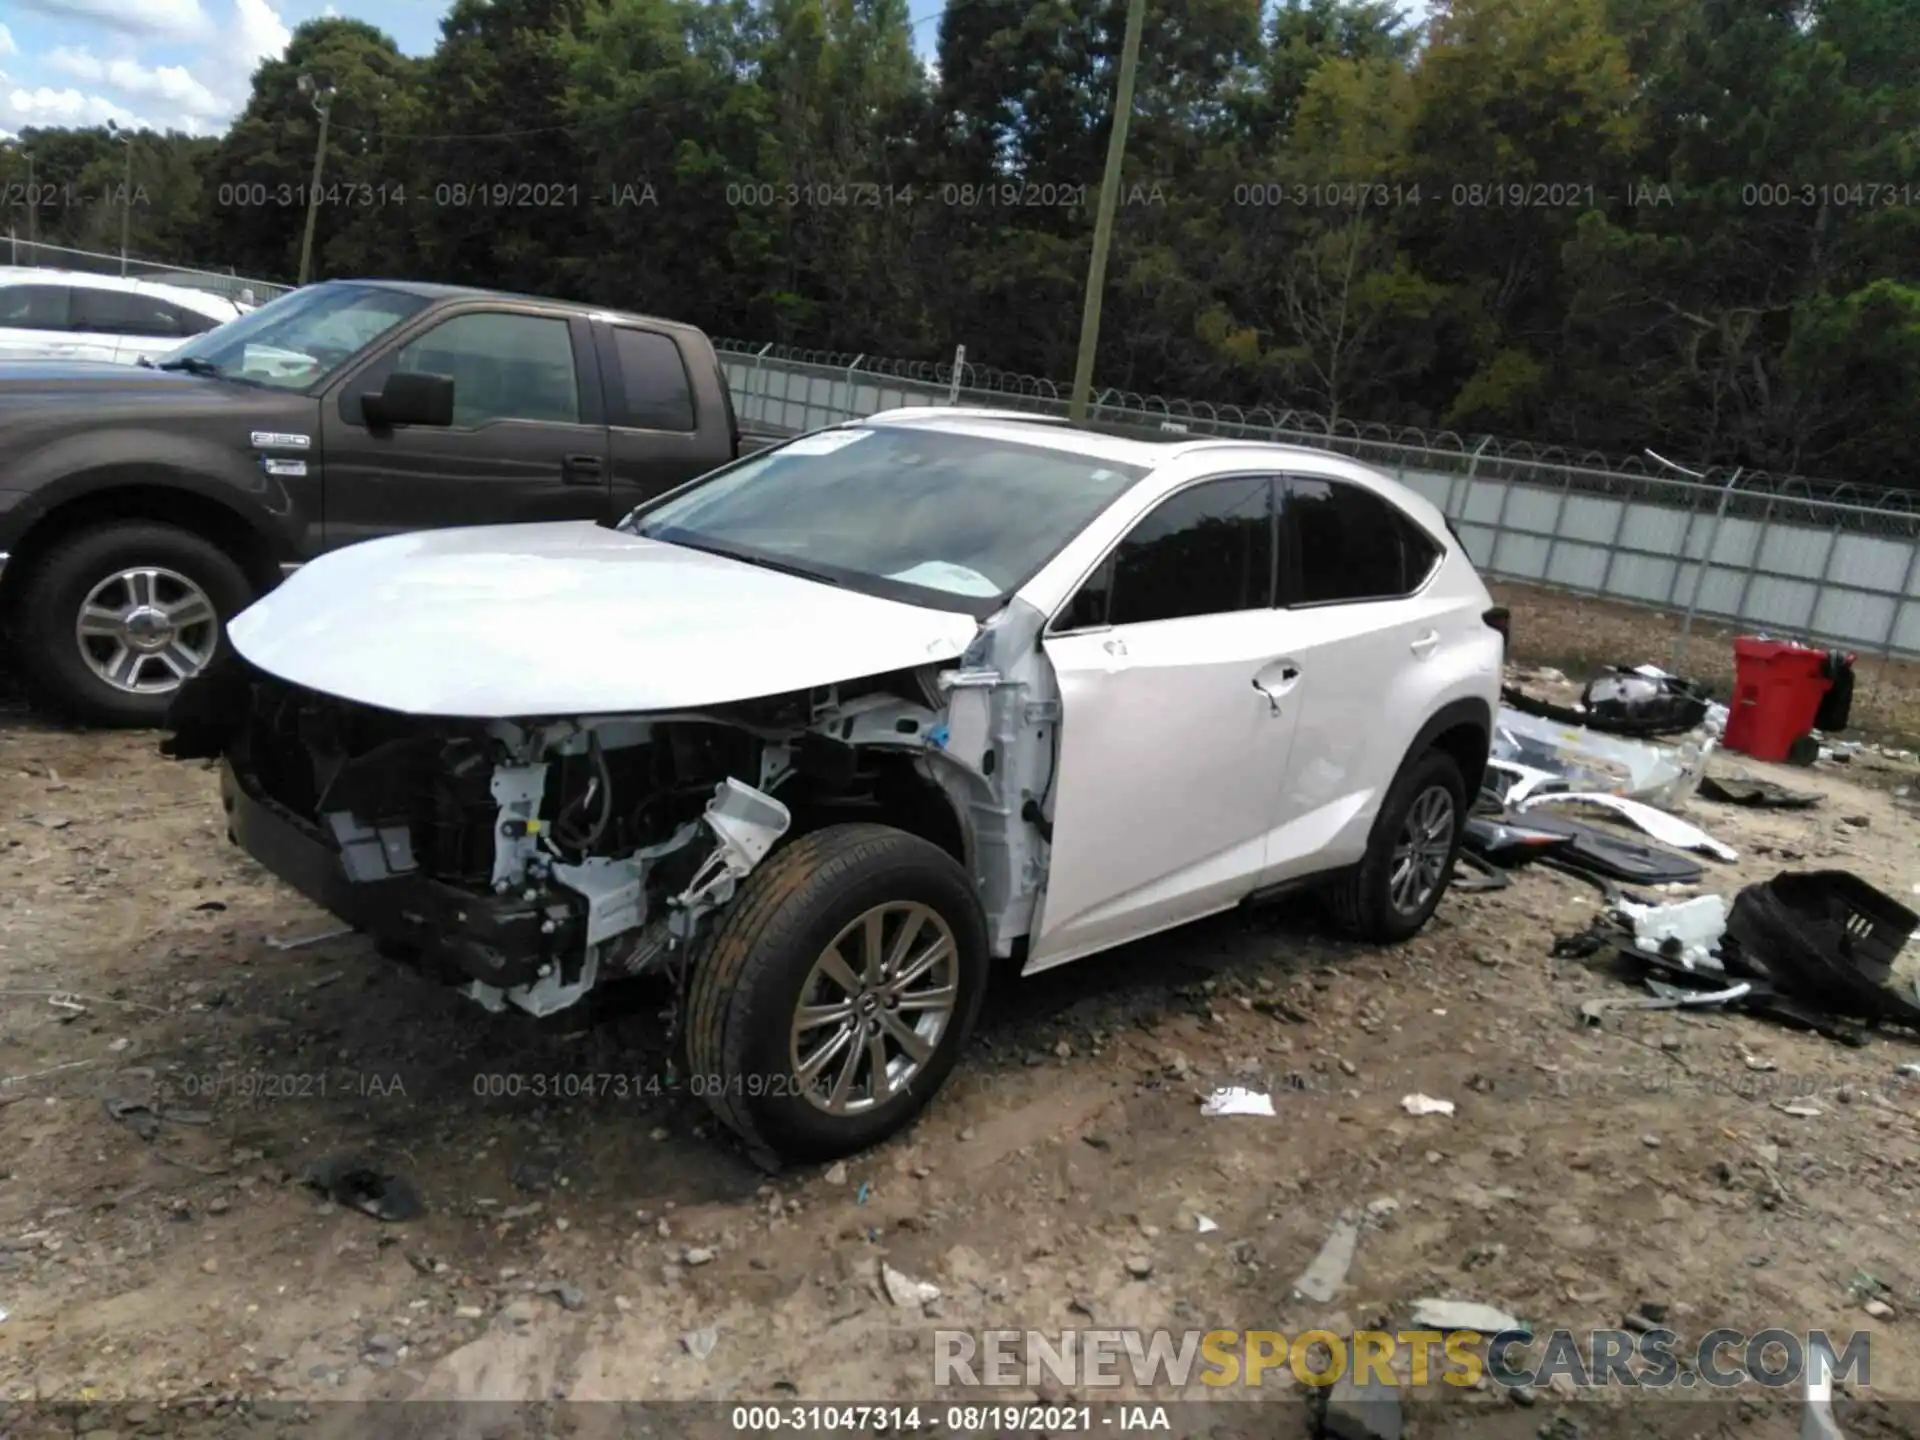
1288,674
1115,646
582,470
1426,644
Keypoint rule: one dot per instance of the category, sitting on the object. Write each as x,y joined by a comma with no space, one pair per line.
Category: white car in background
71,315
820,734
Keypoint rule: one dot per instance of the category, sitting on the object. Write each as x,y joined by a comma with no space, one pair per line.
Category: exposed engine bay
530,860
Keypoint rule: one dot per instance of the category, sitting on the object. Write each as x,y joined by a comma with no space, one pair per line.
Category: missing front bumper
500,941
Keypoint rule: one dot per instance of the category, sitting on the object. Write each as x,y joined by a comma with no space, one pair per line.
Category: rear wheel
835,993
1394,890
112,620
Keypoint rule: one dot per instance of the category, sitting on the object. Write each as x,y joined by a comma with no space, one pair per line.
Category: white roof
1054,433
1171,462
202,302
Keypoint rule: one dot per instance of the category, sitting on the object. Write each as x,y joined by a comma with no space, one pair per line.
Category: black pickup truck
142,506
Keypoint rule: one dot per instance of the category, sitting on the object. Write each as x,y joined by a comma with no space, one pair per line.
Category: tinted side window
119,312
1349,544
504,367
191,322
654,392
1207,550
34,307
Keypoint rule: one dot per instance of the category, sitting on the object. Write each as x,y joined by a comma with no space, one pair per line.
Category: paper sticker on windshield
825,443
945,575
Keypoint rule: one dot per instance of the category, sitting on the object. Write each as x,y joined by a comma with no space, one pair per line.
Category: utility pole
33,205
126,191
322,97
1109,202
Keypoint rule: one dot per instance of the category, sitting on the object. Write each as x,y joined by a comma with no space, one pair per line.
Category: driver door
1176,725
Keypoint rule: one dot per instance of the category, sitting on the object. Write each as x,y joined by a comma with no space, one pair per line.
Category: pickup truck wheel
1395,889
114,618
836,991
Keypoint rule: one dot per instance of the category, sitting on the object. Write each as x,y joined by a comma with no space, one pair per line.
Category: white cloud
261,35
169,85
177,18
47,106
224,42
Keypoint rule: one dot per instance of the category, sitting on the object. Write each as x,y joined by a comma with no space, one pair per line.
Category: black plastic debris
1474,875
1627,702
137,1116
1623,701
1605,853
1506,842
1760,794
350,1182
1824,937
1836,706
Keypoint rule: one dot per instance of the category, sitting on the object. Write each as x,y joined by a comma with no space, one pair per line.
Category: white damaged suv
820,734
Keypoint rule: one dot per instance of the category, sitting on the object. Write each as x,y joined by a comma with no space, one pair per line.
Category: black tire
1364,901
751,969
53,666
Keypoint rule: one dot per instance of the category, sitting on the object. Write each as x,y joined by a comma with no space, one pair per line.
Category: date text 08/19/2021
822,1419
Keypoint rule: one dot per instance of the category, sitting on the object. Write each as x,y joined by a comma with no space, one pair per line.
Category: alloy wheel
145,629
874,1008
1420,855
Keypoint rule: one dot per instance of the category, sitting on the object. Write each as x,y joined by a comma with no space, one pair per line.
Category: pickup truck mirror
410,399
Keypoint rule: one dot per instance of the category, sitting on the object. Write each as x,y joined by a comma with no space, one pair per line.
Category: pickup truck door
528,439
660,435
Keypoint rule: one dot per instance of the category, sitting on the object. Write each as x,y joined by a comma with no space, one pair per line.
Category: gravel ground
613,1246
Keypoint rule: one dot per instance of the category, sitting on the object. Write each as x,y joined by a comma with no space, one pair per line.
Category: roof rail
965,412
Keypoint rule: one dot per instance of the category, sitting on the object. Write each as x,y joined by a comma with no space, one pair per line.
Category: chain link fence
241,288
1827,563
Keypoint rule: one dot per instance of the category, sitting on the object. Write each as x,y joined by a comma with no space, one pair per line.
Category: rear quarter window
654,392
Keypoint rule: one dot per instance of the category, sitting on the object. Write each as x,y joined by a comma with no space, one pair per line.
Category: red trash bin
1777,689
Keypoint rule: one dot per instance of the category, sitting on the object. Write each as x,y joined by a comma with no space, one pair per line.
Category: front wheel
112,620
834,995
1410,857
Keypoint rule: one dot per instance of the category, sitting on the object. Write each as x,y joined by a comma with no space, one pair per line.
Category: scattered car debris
1688,929
1323,1279
1452,1315
904,1290
1609,855
358,1186
1593,1011
1638,701
1425,1105
136,1115
1825,937
1799,1111
1587,760
1740,788
1237,1100
1668,829
276,943
1204,1225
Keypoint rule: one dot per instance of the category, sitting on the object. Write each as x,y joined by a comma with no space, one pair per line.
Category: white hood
570,618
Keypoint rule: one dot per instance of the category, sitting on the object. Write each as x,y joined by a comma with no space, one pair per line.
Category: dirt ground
612,1246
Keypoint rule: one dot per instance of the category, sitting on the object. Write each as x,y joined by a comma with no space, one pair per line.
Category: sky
186,64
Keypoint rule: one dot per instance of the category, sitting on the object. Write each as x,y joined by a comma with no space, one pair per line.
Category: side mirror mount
410,399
